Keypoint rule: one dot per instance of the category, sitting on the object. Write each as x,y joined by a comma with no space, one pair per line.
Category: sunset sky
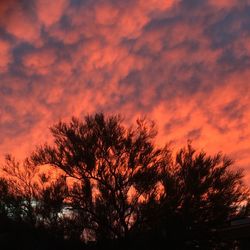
183,63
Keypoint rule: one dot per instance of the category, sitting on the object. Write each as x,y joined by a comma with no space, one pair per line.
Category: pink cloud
106,14
50,12
188,71
155,5
40,61
5,55
226,3
20,23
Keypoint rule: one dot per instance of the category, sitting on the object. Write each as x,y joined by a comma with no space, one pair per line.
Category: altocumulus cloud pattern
184,64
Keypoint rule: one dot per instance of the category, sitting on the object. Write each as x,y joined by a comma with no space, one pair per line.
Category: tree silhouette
201,192
33,197
113,171
113,184
21,190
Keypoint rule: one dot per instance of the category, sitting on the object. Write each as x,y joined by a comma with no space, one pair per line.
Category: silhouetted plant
9,203
28,196
201,193
114,184
21,188
113,170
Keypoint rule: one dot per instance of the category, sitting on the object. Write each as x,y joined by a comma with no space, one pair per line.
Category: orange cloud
5,55
21,24
224,3
50,12
106,14
184,64
39,62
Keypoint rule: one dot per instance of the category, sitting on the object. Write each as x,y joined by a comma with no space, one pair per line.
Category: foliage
113,170
201,193
114,183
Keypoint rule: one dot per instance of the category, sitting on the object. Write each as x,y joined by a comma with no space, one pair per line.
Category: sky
183,63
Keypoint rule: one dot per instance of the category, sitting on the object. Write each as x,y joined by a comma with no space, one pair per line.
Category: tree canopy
115,183
114,171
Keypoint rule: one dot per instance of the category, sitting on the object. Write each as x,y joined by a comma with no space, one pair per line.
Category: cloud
5,55
18,21
39,61
184,64
227,3
50,12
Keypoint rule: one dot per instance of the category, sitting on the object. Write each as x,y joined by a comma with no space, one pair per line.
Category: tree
114,183
21,189
32,197
113,172
201,192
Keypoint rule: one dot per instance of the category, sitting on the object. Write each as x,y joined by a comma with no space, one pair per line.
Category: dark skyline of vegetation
110,184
